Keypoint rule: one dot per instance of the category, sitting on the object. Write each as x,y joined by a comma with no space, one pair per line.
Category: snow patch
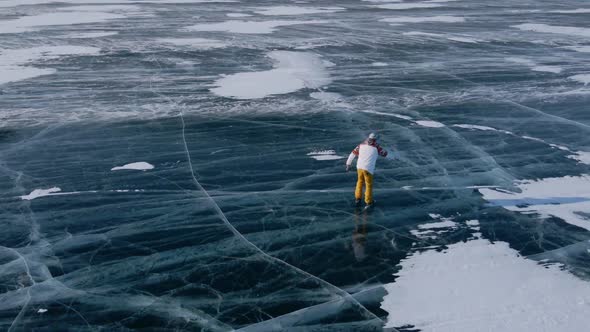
475,127
519,294
40,193
237,15
198,43
582,78
572,11
403,6
324,155
379,64
33,22
294,10
563,198
544,28
548,69
12,62
41,311
140,166
89,35
248,26
326,96
442,19
293,71
582,49
430,124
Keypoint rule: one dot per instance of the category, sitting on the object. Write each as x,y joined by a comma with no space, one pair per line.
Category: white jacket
367,154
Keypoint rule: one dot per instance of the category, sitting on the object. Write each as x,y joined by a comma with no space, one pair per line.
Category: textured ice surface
247,222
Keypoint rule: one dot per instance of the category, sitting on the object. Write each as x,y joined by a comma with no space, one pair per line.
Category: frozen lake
178,165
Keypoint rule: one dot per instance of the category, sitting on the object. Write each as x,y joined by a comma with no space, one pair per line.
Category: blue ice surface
237,227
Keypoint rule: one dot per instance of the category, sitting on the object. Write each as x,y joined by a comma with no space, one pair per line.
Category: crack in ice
343,294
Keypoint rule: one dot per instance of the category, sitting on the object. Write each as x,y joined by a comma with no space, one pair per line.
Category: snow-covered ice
482,286
293,71
139,166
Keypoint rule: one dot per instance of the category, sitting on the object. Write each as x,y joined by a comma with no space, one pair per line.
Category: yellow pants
364,178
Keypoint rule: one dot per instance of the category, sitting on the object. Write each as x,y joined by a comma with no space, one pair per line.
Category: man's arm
351,157
382,152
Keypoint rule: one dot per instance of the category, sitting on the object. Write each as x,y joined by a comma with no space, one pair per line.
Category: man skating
367,151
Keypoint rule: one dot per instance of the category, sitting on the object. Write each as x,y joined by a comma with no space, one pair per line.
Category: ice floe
249,26
482,286
140,166
292,71
13,63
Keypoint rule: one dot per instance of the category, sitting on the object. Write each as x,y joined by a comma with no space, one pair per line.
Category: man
367,151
